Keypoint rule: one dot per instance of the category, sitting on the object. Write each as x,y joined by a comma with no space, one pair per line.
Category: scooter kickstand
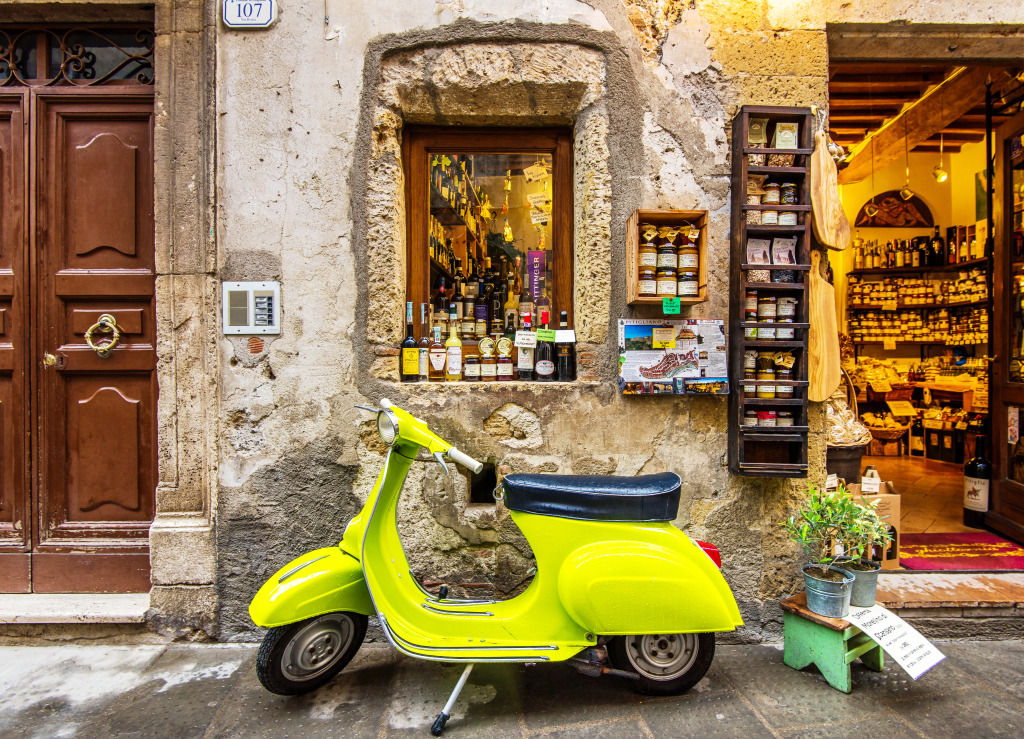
438,728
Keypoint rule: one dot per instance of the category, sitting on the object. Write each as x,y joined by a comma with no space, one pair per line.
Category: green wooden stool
830,643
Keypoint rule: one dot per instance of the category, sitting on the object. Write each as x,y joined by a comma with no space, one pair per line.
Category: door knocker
106,325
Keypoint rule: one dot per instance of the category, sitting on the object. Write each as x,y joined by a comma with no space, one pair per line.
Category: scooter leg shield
318,582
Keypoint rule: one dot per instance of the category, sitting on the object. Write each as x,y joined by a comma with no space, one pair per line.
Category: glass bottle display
410,354
453,350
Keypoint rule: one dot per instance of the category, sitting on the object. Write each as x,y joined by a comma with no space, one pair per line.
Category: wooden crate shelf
665,217
766,451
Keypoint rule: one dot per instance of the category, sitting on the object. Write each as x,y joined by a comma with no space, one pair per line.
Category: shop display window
489,226
1016,255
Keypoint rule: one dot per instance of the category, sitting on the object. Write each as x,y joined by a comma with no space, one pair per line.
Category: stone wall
310,191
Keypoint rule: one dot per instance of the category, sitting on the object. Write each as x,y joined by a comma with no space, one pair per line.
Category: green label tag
545,334
670,306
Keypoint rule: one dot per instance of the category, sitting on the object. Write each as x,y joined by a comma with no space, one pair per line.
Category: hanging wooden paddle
824,372
830,224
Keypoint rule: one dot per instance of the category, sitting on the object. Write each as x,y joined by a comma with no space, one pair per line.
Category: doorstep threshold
73,608
951,589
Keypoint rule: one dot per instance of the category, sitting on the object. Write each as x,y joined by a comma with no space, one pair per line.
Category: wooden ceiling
862,96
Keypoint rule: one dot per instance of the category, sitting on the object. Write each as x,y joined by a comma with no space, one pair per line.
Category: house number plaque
249,13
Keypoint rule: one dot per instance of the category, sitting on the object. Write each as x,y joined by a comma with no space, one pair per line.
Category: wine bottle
410,350
424,347
453,350
437,357
545,367
565,352
977,478
525,360
441,304
917,438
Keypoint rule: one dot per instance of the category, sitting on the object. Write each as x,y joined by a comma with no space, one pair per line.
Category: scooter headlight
387,427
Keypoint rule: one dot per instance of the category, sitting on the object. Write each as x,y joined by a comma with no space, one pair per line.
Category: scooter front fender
318,582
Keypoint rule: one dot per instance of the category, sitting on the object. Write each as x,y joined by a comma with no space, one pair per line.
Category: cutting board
824,372
830,225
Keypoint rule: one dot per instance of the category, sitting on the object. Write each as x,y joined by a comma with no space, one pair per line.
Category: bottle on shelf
565,353
458,297
437,356
544,367
410,353
917,438
938,248
511,307
441,304
424,345
977,478
543,309
497,308
453,349
467,324
471,367
901,256
513,354
525,361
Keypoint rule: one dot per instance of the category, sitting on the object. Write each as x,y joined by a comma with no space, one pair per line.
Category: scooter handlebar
385,403
465,460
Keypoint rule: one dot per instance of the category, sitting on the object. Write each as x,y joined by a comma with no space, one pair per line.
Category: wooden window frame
418,142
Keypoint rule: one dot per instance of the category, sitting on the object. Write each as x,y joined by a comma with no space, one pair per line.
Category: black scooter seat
595,497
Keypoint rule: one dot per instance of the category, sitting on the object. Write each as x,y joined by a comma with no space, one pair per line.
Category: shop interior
914,292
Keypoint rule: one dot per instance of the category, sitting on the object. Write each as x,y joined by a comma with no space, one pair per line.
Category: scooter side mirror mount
440,460
366,408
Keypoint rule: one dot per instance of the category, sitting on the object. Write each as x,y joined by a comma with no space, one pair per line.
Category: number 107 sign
249,13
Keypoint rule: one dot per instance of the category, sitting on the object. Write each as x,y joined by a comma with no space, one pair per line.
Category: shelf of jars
898,271
768,328
666,251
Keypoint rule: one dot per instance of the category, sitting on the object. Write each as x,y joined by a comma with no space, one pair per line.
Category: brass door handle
106,325
49,359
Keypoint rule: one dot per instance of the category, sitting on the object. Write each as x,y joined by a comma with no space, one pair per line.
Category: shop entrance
917,293
77,290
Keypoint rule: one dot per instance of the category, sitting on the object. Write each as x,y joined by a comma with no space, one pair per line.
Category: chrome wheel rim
662,656
317,647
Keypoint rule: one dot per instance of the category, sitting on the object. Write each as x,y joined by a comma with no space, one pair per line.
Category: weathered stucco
309,190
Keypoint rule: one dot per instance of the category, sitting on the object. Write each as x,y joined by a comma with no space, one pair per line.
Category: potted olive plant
864,531
824,520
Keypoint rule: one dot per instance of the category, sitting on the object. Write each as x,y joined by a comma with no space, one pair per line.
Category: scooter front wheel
668,664
301,657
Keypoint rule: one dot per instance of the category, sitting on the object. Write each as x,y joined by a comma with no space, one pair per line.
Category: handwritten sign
901,407
537,199
900,640
870,484
526,339
889,344
534,173
663,338
539,216
832,482
670,306
545,334
880,386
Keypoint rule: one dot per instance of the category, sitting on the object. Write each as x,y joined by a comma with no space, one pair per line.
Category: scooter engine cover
595,497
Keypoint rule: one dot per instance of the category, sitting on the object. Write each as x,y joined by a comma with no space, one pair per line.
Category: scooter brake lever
440,460
367,408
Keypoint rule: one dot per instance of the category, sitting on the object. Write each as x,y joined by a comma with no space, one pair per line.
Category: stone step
67,608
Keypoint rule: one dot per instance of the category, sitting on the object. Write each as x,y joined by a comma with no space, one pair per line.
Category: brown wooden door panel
15,488
98,415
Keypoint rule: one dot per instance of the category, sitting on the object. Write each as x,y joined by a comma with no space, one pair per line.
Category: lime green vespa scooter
618,589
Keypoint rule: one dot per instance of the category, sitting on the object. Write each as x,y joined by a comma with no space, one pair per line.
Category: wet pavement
154,690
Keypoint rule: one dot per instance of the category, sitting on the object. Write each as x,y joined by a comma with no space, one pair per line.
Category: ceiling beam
944,103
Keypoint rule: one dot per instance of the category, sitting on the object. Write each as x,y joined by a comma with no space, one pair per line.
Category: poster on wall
672,357
895,212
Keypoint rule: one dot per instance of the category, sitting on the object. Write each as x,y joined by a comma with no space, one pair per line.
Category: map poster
672,357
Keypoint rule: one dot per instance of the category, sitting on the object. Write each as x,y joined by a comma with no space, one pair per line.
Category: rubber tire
675,686
268,659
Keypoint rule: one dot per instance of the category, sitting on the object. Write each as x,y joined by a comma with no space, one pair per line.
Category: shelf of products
768,309
666,251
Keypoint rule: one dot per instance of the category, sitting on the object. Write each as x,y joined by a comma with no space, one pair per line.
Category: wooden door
1006,506
15,510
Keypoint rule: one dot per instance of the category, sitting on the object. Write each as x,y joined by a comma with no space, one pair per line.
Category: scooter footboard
318,582
630,587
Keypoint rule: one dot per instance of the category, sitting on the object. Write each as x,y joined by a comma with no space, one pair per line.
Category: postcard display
672,356
768,317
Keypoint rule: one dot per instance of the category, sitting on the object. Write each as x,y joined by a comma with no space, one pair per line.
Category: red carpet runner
981,551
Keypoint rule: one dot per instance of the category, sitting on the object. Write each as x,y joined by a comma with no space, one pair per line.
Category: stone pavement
158,690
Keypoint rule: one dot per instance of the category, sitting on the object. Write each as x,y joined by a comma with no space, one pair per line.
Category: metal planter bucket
828,598
864,585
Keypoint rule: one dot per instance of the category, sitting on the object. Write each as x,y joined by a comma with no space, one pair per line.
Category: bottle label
423,362
472,370
688,288
454,360
505,370
688,260
786,307
917,443
525,358
649,259
488,370
545,367
648,287
468,326
667,260
410,362
458,311
437,359
667,287
480,312
975,494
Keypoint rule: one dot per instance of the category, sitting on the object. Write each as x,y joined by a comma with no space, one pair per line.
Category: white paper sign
534,173
565,336
539,216
870,484
526,339
249,13
832,482
538,199
900,640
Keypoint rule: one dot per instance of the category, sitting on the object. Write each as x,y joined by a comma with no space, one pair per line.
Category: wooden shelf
778,207
665,217
754,343
759,228
773,429
650,300
764,169
790,267
761,324
928,306
772,401
793,436
898,271
902,343
773,285
750,150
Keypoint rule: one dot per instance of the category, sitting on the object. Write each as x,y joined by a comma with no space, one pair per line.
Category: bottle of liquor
437,356
488,362
915,256
410,354
901,256
917,438
543,311
977,478
482,311
513,353
453,350
544,367
511,308
525,360
458,297
424,347
525,301
441,304
468,321
858,257
565,353
951,247
497,309
471,282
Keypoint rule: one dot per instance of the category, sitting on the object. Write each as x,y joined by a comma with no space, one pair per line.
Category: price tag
534,173
670,306
832,482
537,199
901,407
880,386
889,304
663,338
870,484
526,339
545,334
889,344
565,336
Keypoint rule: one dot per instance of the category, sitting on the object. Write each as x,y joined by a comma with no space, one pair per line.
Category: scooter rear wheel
668,664
301,657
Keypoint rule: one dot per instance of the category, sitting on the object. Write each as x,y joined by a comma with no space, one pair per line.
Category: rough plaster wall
310,189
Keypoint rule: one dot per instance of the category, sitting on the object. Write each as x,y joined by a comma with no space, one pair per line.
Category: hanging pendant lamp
905,192
939,173
871,209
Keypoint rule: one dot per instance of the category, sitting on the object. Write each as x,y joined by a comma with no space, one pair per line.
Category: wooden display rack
697,218
780,451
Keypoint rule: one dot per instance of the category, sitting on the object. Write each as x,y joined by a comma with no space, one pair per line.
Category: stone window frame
487,83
